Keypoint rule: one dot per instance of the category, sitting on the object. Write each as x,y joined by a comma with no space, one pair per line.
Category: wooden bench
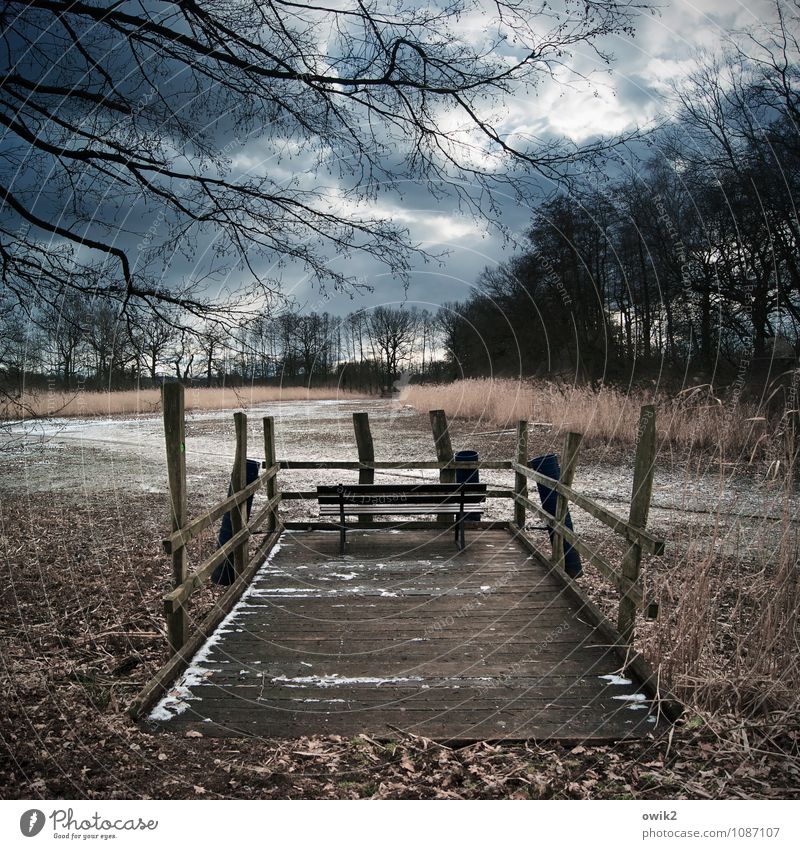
459,499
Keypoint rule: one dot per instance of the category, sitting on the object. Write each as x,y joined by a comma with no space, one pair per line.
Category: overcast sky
634,93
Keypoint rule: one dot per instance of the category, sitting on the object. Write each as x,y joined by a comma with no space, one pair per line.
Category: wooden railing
626,577
184,530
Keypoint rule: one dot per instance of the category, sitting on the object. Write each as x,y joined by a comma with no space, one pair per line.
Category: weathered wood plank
311,494
520,481
643,470
272,469
521,661
172,405
196,526
241,555
366,454
399,525
624,585
176,598
458,728
395,464
569,461
497,670
460,721
444,450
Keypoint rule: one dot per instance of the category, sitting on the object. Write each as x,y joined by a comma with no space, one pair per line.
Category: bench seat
461,500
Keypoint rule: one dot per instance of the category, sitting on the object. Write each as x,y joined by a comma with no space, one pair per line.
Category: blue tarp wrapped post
547,464
225,573
468,475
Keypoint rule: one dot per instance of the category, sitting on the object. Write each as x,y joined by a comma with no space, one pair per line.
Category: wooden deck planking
406,632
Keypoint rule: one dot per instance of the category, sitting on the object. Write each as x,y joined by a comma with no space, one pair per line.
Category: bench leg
461,516
342,529
459,526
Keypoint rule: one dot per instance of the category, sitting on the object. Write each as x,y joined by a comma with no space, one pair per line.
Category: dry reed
694,419
83,403
728,633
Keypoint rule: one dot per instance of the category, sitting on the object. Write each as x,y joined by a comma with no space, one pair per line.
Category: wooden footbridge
404,631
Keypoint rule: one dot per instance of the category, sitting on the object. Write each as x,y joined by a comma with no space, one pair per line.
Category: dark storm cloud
662,48
664,45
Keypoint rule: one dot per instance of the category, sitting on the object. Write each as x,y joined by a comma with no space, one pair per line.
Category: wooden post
172,406
270,460
520,481
444,451
239,481
643,470
569,460
366,453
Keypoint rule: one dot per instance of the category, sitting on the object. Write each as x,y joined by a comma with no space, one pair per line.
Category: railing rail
184,529
197,525
626,579
311,494
355,465
648,542
632,589
181,593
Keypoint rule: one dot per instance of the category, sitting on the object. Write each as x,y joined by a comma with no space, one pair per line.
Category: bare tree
182,354
123,124
152,337
392,332
103,334
66,323
210,343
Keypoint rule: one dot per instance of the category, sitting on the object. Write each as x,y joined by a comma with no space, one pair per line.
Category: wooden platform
406,632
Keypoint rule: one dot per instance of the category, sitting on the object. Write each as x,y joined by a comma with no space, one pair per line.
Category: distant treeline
690,259
81,343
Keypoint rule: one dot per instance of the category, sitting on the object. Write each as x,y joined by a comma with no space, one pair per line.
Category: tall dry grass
83,403
728,633
694,419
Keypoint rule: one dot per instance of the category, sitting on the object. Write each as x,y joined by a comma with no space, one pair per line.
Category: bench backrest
402,495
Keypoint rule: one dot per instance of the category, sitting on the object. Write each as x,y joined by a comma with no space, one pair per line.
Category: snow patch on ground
615,679
336,680
636,699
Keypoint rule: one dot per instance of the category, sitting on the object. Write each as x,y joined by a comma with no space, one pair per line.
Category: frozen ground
739,508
